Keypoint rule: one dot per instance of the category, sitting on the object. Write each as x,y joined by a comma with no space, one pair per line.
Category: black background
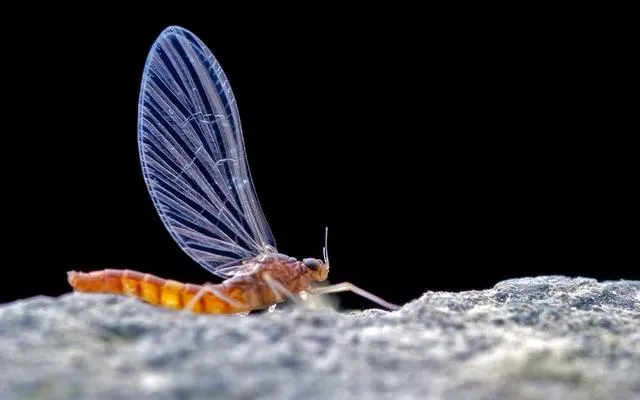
443,153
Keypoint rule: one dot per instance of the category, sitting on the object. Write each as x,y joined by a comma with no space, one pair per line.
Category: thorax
288,271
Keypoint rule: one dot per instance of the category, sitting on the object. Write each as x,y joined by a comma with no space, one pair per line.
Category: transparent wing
193,157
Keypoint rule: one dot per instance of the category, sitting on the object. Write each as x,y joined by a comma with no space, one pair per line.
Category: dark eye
311,263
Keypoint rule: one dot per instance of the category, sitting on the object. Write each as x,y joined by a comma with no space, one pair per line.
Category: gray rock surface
532,338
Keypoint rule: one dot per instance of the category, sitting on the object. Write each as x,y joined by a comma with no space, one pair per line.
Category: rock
548,337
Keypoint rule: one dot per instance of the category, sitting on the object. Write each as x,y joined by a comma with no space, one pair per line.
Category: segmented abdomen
152,289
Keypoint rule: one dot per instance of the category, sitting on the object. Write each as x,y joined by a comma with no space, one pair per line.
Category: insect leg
349,287
279,289
208,287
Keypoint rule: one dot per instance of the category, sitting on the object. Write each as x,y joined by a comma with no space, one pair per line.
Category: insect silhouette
194,164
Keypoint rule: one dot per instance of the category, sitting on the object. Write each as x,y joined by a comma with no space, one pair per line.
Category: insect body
194,164
253,287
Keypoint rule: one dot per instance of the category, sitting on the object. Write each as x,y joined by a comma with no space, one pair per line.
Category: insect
195,167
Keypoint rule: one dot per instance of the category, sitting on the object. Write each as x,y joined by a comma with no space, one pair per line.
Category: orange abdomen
152,289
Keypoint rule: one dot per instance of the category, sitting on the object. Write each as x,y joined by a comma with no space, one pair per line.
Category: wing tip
175,30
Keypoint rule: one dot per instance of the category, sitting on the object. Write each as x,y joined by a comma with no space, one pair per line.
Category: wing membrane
193,157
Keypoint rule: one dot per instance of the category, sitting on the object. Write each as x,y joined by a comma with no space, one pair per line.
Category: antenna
325,249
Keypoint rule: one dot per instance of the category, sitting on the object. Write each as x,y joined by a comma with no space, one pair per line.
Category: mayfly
194,164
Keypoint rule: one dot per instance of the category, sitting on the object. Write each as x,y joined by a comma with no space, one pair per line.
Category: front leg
349,287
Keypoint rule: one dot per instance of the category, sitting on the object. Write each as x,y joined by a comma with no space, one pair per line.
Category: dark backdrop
442,156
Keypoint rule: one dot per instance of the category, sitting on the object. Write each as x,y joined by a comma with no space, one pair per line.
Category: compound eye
311,263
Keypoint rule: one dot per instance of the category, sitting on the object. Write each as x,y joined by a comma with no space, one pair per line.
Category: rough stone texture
532,338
